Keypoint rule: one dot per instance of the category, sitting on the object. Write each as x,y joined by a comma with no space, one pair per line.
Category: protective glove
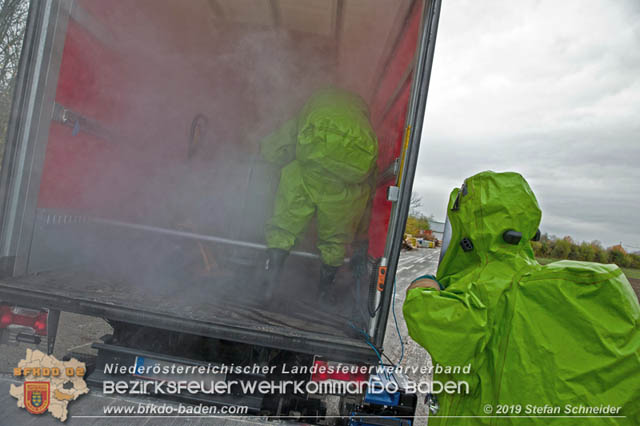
426,281
359,259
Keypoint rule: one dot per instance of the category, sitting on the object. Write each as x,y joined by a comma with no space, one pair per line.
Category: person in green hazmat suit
564,334
328,153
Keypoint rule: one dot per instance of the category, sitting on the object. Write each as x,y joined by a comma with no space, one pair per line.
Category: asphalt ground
76,333
412,264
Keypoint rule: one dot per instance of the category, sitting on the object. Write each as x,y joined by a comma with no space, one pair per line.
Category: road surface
412,264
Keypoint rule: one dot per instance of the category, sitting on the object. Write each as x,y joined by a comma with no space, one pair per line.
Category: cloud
548,89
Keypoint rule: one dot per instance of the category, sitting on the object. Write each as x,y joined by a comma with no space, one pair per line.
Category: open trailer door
133,187
28,126
38,31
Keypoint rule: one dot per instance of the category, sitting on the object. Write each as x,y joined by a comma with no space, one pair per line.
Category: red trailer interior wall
169,63
89,84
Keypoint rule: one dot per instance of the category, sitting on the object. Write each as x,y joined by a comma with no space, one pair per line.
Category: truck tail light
328,370
24,317
40,325
5,316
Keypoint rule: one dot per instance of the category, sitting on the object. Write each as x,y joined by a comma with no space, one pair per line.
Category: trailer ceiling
362,32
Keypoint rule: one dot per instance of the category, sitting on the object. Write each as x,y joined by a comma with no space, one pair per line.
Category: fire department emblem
49,385
36,397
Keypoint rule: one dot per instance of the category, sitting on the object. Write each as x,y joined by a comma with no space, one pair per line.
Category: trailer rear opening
133,187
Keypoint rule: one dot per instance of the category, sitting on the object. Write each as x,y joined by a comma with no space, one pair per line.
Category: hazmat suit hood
479,212
560,334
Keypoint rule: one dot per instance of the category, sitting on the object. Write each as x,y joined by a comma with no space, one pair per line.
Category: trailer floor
194,301
212,307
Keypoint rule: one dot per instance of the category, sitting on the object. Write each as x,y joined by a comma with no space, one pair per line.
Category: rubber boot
273,272
327,280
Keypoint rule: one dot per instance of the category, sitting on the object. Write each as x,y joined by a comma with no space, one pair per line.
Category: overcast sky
549,89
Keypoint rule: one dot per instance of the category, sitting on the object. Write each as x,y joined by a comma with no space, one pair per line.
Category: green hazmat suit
558,334
329,154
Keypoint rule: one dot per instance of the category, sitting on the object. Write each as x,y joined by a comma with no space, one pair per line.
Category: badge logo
36,397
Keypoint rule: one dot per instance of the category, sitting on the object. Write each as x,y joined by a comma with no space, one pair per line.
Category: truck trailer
132,187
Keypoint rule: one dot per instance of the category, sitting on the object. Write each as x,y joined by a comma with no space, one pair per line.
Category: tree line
416,221
566,248
13,19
